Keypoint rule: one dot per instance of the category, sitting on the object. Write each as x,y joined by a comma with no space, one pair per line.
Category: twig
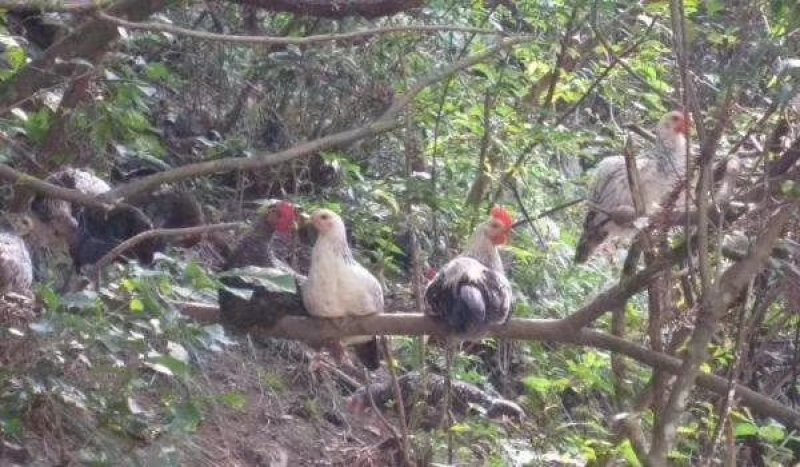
398,396
546,213
160,233
273,40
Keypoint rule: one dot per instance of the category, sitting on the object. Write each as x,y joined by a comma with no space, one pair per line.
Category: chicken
16,267
60,213
611,208
100,231
265,245
172,210
338,286
471,292
268,242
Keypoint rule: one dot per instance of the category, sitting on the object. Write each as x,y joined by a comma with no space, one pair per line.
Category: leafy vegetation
115,372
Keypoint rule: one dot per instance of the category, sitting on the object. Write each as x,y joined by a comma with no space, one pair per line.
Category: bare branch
317,331
26,181
273,40
714,302
338,9
161,233
384,123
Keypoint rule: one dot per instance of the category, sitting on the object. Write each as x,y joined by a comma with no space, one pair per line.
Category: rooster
471,292
266,245
611,208
338,287
268,242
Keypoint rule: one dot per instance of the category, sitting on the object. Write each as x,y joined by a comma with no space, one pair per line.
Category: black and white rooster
471,292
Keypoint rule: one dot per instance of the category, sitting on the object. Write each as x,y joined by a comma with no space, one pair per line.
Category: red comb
503,216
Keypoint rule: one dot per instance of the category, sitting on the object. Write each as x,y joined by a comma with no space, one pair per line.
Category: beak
303,221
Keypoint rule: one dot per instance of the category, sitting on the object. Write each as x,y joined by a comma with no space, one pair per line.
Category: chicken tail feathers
592,236
369,354
468,312
584,249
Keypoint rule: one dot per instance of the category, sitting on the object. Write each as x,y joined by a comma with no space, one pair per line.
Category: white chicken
611,209
471,292
338,287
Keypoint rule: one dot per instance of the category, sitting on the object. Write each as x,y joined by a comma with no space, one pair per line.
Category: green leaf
626,451
773,434
137,306
272,279
169,366
746,430
186,418
236,401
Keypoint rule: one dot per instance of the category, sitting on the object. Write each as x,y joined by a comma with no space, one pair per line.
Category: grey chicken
611,209
16,267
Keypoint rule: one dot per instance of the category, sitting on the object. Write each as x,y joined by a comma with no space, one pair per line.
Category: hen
338,287
611,209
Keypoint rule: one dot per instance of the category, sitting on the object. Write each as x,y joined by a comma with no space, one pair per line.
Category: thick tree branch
273,40
317,331
336,9
620,293
28,182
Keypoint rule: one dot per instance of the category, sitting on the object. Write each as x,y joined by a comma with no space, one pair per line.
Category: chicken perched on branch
267,243
471,291
339,287
16,268
611,208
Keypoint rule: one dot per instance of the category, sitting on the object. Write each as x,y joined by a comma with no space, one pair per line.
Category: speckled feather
659,171
16,268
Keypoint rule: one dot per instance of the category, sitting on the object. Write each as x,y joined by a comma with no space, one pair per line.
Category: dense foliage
115,371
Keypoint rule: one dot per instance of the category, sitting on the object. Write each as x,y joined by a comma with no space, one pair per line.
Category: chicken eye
324,217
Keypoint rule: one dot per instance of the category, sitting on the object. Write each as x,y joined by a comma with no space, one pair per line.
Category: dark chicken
172,210
269,241
100,231
471,292
265,245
